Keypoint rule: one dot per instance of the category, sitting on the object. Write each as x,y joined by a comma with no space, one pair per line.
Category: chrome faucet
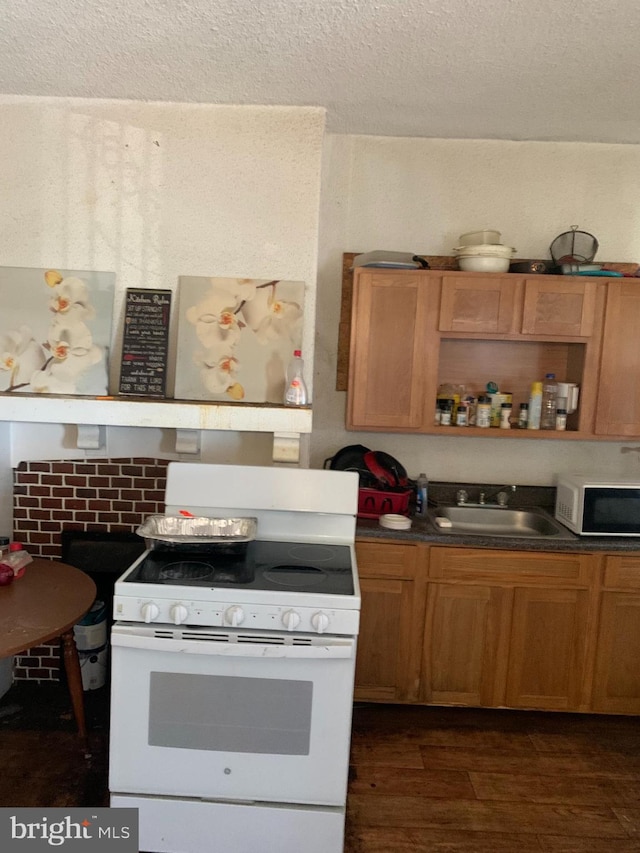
501,493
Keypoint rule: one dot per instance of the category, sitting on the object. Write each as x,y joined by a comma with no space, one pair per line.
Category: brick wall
112,495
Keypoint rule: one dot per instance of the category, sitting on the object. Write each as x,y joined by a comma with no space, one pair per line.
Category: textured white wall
153,191
419,195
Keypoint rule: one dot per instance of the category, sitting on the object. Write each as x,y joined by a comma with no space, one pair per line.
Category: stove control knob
320,622
290,620
234,615
178,613
149,611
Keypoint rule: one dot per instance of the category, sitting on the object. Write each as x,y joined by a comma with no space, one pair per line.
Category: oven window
230,713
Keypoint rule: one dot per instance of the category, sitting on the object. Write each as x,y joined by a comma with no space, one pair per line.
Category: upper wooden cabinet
390,349
412,331
618,406
477,305
544,306
558,306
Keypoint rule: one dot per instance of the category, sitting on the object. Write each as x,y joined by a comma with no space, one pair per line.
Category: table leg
74,680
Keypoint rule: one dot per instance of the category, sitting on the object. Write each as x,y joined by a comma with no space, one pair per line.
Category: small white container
497,251
473,237
394,522
483,263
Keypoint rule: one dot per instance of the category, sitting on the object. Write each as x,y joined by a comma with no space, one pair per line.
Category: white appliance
232,673
591,506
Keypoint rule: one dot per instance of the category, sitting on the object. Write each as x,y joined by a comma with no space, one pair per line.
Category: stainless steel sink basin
529,523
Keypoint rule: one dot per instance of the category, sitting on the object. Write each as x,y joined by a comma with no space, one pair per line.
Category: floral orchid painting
55,331
236,337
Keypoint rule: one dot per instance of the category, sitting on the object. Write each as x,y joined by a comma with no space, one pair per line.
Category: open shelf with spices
412,331
513,366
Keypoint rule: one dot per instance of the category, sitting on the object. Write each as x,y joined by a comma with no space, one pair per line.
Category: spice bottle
523,416
505,416
483,412
561,419
446,413
462,416
535,406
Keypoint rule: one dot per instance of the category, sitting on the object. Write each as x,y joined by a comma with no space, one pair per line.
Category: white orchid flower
72,350
271,318
240,289
44,382
20,355
217,371
215,318
69,339
70,299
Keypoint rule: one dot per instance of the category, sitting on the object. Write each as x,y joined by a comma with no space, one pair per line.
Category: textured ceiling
505,69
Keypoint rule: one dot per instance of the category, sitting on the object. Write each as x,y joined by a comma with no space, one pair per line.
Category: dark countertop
422,531
524,496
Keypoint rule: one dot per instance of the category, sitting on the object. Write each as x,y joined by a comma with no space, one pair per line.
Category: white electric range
232,671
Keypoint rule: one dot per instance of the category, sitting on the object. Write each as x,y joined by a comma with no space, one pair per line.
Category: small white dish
394,522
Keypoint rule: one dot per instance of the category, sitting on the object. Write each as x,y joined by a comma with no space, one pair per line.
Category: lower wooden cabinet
517,629
464,642
392,613
548,649
616,684
508,628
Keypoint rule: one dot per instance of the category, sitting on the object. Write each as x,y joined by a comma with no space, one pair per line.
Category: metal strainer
574,247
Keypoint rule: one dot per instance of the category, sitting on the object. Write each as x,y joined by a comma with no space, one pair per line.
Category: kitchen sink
529,523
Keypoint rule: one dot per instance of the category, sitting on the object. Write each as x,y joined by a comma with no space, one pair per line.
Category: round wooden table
45,603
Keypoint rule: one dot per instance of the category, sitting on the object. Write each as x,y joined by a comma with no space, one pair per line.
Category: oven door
229,715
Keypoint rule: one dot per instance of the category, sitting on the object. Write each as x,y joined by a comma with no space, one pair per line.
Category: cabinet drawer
622,572
384,560
511,567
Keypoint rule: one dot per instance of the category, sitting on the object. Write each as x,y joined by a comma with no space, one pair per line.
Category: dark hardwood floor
466,780
422,780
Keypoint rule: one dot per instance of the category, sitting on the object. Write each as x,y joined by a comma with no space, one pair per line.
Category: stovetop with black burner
262,565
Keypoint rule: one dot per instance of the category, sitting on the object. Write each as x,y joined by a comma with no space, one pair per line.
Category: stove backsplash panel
108,495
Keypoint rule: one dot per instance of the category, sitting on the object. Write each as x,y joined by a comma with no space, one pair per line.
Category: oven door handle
336,647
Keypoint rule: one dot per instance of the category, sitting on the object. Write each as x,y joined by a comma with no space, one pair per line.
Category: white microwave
593,507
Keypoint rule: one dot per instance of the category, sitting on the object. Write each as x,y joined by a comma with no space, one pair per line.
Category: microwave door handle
334,647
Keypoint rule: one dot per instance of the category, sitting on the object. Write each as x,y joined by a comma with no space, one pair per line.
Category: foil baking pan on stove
192,533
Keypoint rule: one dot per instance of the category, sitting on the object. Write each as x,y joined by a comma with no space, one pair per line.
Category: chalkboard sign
143,371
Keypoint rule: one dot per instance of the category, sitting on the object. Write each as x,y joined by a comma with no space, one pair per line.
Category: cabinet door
558,307
483,304
387,665
465,651
547,649
391,621
618,401
389,352
616,686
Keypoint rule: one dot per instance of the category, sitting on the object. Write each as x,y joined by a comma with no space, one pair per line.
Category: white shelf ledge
166,414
